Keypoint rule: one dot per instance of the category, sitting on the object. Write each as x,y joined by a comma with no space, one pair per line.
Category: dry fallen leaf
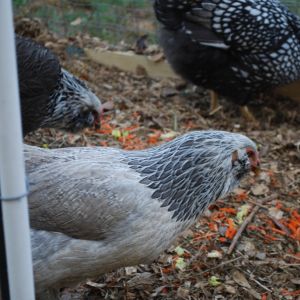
261,255
230,289
254,294
158,290
96,285
140,279
248,247
130,270
240,279
275,213
295,281
259,189
214,254
182,293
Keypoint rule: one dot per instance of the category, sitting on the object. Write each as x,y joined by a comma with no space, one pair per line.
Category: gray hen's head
192,171
72,106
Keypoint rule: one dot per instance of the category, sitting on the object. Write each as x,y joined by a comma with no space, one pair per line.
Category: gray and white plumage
51,96
93,210
72,105
237,48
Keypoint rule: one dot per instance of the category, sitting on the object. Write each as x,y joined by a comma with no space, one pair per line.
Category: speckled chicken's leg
247,114
214,101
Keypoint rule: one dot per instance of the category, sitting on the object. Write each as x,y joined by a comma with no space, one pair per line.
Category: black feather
51,96
39,73
237,48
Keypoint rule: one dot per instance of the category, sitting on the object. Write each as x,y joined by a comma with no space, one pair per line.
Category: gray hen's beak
91,112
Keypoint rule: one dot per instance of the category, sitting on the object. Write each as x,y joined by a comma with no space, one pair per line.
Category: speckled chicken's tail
169,12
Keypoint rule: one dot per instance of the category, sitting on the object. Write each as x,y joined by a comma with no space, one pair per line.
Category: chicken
50,95
239,49
93,210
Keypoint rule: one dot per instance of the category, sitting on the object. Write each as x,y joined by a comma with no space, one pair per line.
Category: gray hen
50,95
94,210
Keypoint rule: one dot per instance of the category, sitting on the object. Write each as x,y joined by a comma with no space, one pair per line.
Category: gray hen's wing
86,194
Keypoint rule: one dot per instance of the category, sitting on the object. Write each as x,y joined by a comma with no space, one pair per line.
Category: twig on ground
215,110
242,228
195,257
261,285
246,222
276,262
291,256
275,221
257,204
222,264
279,225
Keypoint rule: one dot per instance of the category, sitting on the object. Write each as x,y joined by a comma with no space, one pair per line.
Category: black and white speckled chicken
238,48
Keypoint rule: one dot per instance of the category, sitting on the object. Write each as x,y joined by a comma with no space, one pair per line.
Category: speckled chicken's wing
243,25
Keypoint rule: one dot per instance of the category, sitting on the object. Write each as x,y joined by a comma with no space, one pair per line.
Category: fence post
12,170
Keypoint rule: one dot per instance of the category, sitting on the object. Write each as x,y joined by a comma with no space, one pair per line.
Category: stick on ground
247,221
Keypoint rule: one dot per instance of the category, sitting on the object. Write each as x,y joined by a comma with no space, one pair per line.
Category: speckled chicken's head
196,169
73,106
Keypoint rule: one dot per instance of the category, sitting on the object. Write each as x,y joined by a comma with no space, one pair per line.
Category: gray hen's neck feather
192,171
72,104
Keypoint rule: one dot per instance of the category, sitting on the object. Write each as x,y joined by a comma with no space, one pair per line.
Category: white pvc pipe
12,175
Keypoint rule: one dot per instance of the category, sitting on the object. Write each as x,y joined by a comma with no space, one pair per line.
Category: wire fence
112,20
293,5
108,19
